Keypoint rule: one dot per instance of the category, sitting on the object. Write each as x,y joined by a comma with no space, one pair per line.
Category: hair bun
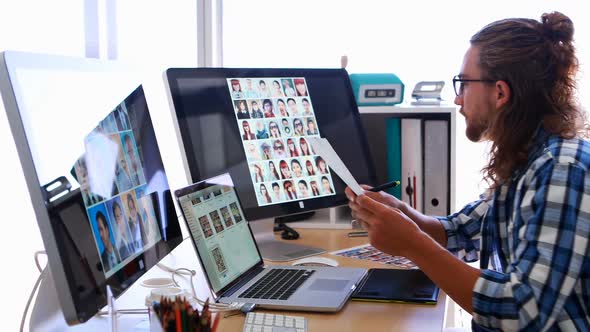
557,27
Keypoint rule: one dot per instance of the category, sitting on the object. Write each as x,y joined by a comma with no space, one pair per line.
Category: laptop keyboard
277,284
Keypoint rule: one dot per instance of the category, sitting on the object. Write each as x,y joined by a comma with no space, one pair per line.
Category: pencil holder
178,315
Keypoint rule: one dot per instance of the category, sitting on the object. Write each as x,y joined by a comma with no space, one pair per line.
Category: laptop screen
219,230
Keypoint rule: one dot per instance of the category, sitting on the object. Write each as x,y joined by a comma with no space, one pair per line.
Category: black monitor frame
216,101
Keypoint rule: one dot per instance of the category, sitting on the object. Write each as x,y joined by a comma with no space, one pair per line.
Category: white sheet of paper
101,158
322,147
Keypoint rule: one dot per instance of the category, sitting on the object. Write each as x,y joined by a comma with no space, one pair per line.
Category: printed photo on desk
368,252
275,117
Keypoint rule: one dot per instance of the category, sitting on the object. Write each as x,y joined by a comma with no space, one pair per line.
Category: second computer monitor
255,124
95,178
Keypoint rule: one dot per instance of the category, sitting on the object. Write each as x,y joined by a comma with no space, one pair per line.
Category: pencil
215,322
177,316
183,314
415,191
206,317
358,234
189,318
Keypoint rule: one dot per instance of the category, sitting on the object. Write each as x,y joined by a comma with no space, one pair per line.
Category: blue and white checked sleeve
463,230
549,242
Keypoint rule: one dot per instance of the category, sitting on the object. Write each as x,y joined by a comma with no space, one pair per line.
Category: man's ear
503,93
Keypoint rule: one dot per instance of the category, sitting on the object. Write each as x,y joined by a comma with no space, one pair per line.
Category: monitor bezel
173,75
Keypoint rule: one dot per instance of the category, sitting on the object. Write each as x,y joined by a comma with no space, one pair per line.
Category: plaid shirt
534,233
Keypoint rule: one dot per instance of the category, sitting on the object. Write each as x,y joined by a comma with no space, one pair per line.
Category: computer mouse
315,261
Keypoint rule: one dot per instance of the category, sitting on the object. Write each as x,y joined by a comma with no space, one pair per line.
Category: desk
355,316
358,316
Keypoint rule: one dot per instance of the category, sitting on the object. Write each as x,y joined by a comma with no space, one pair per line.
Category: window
150,34
55,27
157,34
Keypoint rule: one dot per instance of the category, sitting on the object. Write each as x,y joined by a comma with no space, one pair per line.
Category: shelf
435,109
340,217
374,118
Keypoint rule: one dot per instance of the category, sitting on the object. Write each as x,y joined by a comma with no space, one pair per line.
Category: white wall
37,26
156,35
152,34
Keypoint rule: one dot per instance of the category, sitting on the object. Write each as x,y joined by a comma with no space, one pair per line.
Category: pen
384,186
358,234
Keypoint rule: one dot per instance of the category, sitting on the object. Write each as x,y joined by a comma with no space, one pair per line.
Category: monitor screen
219,231
95,175
255,123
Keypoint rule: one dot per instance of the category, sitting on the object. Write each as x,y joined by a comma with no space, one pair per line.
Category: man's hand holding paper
322,147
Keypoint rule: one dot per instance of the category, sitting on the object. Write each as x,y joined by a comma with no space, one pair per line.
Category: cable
39,279
171,270
215,307
125,311
191,273
37,253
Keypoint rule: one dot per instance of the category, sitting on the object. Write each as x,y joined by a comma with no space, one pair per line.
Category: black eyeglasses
458,83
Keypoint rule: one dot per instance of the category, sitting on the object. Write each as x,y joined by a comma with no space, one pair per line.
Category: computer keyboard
277,284
268,322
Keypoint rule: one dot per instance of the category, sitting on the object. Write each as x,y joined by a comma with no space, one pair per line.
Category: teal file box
394,155
377,89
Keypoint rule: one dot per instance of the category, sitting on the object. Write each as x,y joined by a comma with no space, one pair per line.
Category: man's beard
476,130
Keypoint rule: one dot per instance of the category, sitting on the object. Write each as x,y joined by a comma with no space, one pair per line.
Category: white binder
412,178
436,167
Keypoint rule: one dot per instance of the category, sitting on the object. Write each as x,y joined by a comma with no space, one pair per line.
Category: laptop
232,263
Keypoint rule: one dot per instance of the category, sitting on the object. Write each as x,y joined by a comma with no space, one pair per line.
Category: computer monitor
92,165
254,123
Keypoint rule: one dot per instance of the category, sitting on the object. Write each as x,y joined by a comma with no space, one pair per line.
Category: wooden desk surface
356,315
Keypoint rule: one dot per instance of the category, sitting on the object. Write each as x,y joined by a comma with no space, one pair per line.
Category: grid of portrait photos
275,117
368,252
213,222
113,185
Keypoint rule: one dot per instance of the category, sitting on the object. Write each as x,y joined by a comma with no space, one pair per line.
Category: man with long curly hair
530,230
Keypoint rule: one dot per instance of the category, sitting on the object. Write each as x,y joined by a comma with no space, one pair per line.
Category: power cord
183,272
43,273
37,253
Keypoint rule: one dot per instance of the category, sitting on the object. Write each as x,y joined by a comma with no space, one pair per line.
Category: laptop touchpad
333,285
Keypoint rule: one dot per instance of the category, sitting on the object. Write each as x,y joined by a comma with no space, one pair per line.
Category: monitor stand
46,314
272,249
46,311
